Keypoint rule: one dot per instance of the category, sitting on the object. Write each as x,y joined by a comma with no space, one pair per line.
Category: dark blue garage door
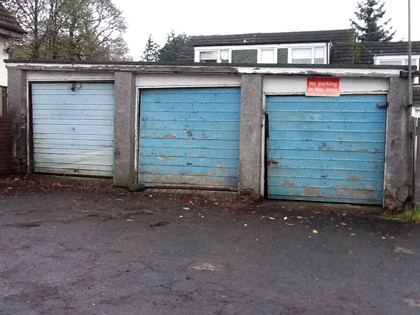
326,149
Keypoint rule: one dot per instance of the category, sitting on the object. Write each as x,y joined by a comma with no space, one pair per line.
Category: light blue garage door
73,128
326,149
189,138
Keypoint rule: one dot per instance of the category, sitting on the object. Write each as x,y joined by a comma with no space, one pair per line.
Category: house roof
343,41
368,50
8,25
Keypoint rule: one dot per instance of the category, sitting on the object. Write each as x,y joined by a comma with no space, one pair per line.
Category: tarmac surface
73,250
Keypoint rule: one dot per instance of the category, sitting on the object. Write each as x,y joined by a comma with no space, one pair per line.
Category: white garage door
73,128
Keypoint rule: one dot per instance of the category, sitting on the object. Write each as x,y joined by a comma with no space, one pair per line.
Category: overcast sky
194,17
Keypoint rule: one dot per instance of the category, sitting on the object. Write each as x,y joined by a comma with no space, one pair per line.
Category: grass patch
113,216
409,215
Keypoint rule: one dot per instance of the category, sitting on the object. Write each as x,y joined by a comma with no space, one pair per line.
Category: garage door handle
382,105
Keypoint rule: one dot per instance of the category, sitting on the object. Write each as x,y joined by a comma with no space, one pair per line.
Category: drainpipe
412,154
410,62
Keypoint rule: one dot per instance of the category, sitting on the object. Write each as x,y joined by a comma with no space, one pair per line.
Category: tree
369,13
173,47
151,51
69,29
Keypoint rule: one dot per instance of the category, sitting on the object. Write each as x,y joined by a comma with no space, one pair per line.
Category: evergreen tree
173,47
151,51
368,28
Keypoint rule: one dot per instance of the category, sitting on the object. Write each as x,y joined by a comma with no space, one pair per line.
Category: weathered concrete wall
5,146
250,143
125,146
18,114
398,173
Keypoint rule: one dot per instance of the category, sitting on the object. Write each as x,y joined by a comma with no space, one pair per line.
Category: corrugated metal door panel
326,149
73,128
190,138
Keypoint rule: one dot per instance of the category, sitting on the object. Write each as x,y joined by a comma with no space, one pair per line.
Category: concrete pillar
18,115
125,146
398,168
250,155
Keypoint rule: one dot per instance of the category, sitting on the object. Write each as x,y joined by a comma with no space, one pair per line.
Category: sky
192,17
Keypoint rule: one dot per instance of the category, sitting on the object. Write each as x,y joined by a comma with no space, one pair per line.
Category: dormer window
398,60
316,53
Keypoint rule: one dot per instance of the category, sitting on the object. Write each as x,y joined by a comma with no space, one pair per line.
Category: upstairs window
301,55
267,56
398,61
308,55
214,56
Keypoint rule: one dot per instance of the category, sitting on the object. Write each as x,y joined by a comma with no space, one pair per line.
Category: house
335,47
387,53
312,47
9,29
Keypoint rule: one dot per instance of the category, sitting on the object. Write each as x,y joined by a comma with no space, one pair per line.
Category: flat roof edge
197,68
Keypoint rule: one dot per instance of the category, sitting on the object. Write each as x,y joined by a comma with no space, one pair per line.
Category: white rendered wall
3,55
182,80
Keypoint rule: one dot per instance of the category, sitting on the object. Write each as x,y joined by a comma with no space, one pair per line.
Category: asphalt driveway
68,250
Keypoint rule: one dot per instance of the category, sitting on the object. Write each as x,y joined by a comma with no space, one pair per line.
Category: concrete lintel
323,72
125,129
250,156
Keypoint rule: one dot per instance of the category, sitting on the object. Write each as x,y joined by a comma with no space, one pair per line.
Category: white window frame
309,46
197,53
290,47
402,58
259,54
404,61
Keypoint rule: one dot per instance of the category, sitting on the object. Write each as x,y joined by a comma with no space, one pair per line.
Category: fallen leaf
403,250
205,267
315,231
